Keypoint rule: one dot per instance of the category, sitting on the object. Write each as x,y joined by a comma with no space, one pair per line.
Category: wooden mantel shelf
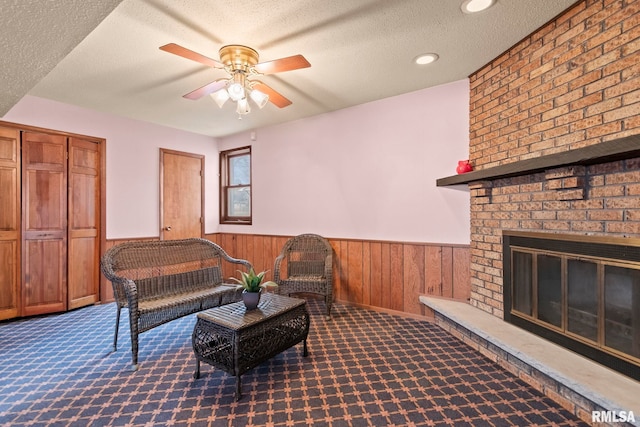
619,149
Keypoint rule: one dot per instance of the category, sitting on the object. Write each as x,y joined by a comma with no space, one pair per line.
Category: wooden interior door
181,195
44,224
9,223
83,261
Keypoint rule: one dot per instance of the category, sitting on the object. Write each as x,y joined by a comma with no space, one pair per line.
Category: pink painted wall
366,172
133,159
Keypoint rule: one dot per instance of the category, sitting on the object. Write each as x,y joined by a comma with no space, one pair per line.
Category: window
235,186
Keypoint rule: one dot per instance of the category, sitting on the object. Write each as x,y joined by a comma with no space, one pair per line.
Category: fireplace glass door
549,270
621,320
523,268
581,292
582,298
595,301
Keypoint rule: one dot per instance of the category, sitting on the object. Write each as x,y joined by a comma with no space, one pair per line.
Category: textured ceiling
360,51
35,36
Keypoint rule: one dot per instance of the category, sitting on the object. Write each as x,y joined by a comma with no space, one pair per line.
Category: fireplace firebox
581,292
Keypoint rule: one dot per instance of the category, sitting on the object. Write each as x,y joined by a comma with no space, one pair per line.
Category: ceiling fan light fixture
260,98
243,106
473,6
426,58
236,91
220,97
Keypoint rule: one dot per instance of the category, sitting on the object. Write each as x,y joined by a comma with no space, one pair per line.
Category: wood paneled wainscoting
388,276
381,275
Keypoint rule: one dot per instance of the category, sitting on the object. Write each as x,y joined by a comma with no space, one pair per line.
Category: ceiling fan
241,62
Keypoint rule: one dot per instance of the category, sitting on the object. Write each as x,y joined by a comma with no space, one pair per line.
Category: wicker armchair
305,266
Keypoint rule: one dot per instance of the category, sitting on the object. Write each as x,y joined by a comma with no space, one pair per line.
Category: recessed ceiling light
473,6
425,59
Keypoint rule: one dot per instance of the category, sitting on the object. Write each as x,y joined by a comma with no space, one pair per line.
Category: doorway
181,195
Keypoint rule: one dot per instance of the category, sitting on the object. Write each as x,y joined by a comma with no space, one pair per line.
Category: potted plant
252,287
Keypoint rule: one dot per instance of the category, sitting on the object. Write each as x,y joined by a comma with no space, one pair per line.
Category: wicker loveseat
159,281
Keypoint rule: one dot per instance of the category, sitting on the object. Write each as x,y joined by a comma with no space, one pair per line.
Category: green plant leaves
251,281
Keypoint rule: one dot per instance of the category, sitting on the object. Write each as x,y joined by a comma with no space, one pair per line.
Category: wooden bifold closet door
44,223
60,223
84,223
51,226
9,223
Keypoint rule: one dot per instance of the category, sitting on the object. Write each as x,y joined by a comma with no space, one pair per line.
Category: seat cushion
154,312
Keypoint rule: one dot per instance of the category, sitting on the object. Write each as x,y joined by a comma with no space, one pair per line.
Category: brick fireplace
573,83
554,138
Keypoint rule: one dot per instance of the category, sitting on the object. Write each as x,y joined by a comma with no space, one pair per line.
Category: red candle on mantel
464,166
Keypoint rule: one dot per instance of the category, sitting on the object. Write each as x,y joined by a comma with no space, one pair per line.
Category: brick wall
575,82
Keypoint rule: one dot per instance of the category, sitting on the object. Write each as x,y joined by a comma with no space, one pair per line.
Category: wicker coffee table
235,339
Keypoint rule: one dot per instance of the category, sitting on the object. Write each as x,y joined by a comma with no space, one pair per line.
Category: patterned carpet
364,369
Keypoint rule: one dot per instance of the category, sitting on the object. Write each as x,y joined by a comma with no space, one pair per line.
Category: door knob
168,228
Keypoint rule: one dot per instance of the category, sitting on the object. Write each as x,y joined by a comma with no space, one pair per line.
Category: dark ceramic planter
251,299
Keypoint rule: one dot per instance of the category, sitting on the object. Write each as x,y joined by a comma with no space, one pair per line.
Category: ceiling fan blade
274,97
207,89
189,54
283,64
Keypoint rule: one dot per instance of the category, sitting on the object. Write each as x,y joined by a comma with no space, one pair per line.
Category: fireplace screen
582,294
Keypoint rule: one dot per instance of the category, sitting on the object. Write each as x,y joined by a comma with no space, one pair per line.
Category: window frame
225,157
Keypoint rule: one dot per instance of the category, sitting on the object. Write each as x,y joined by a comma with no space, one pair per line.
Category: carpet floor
364,368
